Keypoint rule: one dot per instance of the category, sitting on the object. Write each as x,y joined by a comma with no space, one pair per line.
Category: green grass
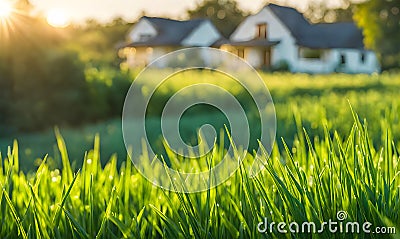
314,97
310,181
326,159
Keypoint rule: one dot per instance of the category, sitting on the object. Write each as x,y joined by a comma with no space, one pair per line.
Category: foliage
44,99
225,14
108,88
45,73
36,94
319,12
97,43
380,22
282,66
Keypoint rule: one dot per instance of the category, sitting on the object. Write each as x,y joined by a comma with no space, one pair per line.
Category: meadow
321,101
336,150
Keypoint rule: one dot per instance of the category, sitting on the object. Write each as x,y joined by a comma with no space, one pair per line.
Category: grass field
315,98
328,160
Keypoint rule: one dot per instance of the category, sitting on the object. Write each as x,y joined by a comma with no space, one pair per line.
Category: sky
105,10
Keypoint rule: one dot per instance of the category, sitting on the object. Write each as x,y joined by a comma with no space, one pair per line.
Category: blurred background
60,67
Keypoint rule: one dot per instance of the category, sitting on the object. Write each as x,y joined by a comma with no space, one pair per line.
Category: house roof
169,32
221,41
331,35
292,19
255,42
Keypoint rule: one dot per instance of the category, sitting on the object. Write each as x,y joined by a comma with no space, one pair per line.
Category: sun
57,18
5,8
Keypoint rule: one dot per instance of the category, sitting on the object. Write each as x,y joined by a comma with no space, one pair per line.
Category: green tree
5,91
319,12
225,14
380,21
44,83
97,43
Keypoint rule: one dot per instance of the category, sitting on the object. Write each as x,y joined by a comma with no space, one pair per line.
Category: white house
278,36
152,37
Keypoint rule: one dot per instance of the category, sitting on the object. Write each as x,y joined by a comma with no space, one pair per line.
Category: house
275,37
153,37
280,36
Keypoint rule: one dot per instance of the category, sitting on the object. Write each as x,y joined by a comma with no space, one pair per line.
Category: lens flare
5,9
57,18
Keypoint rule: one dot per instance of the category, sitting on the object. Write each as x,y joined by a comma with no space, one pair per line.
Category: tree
224,14
380,21
41,82
97,43
318,12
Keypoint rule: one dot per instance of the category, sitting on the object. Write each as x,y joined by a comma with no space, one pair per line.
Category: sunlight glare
5,8
57,18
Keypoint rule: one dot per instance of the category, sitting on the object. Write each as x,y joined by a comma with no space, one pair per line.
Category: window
342,59
262,31
240,52
363,58
309,53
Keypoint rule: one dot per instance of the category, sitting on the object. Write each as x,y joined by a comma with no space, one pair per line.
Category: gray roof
292,19
255,42
334,35
169,32
329,35
221,41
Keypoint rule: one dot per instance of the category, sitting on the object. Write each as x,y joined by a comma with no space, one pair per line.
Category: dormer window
144,37
262,31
